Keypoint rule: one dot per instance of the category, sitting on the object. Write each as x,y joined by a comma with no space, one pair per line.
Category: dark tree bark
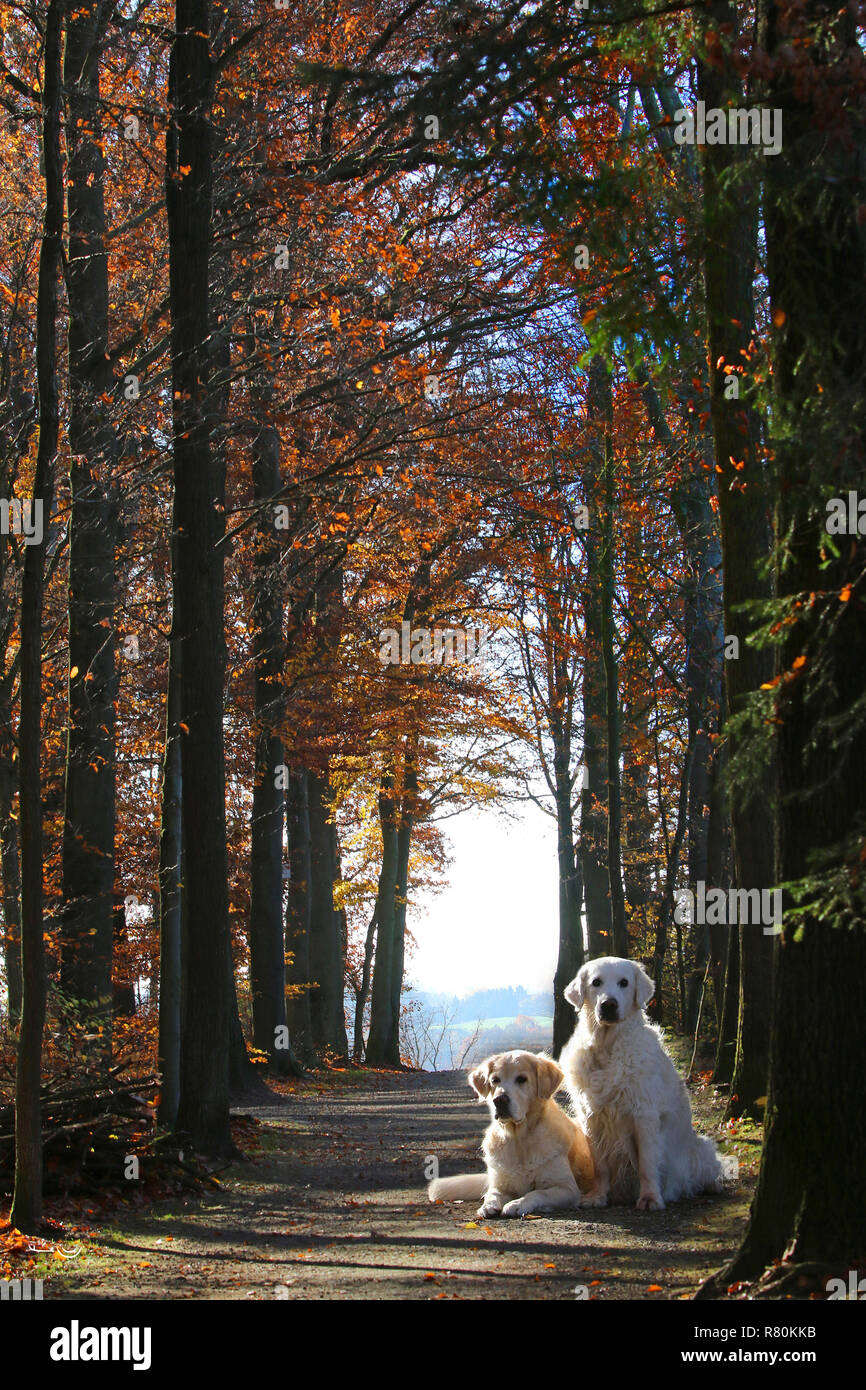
15,428
326,947
170,880
638,853
26,1211
203,1109
298,914
600,414
569,956
726,1044
10,865
730,217
363,992
702,626
718,866
267,944
809,1210
408,809
383,1044
666,907
86,933
593,809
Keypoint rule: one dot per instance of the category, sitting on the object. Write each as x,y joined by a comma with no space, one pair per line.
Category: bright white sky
495,922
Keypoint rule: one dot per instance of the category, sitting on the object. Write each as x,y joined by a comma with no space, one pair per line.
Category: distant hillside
441,1031
488,1004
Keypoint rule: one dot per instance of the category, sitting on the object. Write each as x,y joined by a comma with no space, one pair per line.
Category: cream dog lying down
537,1157
628,1096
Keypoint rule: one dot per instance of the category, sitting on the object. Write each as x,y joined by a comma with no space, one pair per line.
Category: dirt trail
333,1206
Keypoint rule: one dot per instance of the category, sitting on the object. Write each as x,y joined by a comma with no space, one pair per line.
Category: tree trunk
408,809
570,951
382,1044
593,810
86,934
203,1110
600,413
298,914
731,239
326,955
810,1205
267,944
26,1211
11,869
726,1044
170,880
363,991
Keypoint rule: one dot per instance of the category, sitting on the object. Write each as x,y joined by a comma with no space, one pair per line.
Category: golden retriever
538,1159
628,1096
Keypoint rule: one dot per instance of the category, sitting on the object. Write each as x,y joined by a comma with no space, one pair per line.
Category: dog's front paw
515,1208
594,1199
650,1201
490,1209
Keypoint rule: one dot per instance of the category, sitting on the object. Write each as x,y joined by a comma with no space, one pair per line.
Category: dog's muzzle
609,1011
502,1106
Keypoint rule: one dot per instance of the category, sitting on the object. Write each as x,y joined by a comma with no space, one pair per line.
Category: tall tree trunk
10,865
810,1205
382,1045
718,867
638,853
26,1211
363,990
666,908
203,1109
326,947
726,1044
730,217
702,626
170,880
570,949
86,934
600,410
593,809
267,943
298,914
408,810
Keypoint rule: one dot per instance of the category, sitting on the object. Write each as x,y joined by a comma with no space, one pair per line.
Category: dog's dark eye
494,1080
596,983
623,984
521,1080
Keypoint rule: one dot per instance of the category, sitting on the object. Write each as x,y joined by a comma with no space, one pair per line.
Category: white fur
537,1158
628,1096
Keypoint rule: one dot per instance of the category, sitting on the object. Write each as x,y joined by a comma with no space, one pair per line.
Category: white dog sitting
628,1097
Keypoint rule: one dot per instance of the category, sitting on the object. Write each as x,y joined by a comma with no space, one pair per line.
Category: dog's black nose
500,1105
608,1010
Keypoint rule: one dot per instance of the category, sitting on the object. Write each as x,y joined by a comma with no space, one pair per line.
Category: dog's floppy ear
549,1077
575,992
644,987
479,1079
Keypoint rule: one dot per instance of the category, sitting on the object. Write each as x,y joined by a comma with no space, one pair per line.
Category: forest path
332,1205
